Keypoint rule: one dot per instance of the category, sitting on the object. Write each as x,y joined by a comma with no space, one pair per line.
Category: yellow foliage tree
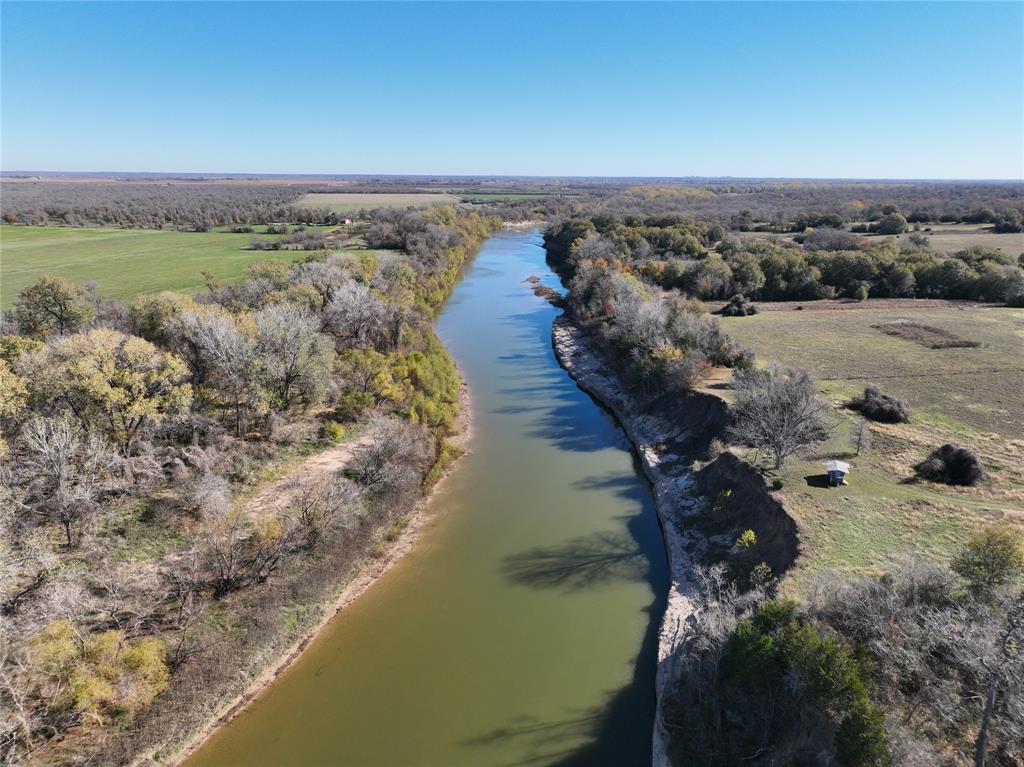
112,380
102,676
13,397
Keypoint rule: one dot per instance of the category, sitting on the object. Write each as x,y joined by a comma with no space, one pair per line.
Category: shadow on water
582,563
617,732
613,737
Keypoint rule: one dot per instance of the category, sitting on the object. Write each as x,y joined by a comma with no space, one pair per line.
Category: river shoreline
671,481
369,571
666,436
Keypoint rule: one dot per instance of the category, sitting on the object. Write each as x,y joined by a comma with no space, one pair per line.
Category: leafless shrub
207,495
67,469
881,407
319,507
953,465
393,462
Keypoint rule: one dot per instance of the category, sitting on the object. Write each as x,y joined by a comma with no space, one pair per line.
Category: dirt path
327,462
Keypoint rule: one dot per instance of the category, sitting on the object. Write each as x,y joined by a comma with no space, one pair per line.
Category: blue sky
864,90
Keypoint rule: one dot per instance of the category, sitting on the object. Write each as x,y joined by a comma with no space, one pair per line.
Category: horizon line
250,175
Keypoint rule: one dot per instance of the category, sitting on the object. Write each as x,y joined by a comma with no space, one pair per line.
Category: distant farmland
124,262
343,202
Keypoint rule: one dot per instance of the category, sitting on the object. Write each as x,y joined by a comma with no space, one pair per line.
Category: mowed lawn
124,262
344,202
969,396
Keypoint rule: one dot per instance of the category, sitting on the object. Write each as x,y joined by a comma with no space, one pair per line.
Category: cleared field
943,238
846,346
499,197
343,202
969,395
124,262
953,237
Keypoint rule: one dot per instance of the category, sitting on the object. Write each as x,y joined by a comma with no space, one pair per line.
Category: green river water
521,629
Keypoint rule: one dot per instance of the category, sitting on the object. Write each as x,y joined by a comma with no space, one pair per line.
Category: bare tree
359,319
67,469
1002,664
294,357
860,438
778,410
223,352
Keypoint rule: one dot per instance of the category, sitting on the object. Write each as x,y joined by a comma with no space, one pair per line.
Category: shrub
738,306
953,465
747,539
351,405
892,223
861,740
777,483
882,407
992,557
334,431
861,293
760,575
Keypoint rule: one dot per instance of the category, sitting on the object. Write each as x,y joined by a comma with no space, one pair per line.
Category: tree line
701,260
144,422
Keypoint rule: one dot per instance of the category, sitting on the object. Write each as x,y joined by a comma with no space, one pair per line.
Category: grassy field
343,202
971,396
943,238
949,238
124,262
499,196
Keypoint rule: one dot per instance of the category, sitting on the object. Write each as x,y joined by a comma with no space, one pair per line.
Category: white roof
837,466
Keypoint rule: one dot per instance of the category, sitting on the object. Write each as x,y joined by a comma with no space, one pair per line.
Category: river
521,629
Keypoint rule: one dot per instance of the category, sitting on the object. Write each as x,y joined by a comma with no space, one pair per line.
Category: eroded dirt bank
666,434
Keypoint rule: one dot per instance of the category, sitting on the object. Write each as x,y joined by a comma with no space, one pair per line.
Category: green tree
892,223
992,557
52,306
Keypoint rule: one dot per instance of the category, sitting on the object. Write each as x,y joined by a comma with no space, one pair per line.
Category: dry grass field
969,395
943,238
949,238
343,202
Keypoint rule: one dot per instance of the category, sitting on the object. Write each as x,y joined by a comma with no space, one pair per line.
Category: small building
837,471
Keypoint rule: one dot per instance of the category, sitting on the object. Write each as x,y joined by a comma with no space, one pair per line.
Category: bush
882,407
992,557
334,431
892,223
953,465
747,539
777,483
738,306
351,405
861,740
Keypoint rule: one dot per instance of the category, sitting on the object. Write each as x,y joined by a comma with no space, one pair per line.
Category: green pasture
125,262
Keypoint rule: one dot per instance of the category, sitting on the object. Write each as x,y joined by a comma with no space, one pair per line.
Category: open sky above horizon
827,90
